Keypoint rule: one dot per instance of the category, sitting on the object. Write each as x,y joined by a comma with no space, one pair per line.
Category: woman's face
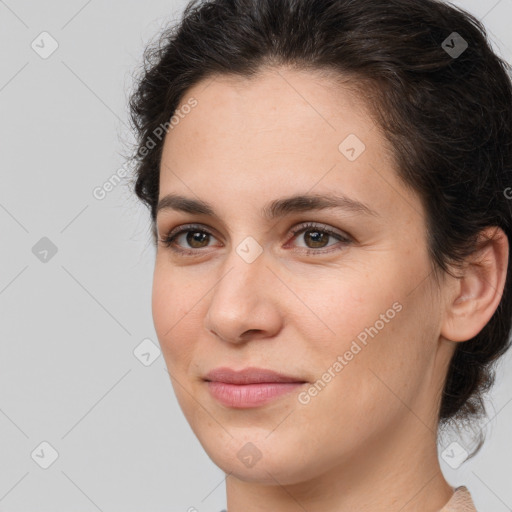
351,316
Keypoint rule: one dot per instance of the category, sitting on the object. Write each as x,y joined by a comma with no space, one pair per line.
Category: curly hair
440,94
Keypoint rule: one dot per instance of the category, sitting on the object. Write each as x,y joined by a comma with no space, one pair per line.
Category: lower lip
250,395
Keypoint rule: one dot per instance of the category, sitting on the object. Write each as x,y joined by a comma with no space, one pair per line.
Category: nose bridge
239,301
244,269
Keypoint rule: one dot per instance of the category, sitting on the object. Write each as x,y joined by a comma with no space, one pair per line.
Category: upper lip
249,375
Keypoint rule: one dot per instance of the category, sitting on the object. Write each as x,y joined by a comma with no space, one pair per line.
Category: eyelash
168,240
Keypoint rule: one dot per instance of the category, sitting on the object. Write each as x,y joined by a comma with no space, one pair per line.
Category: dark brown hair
444,108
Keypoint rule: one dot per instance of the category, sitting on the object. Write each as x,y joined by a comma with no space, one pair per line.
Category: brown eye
192,240
187,239
196,239
317,237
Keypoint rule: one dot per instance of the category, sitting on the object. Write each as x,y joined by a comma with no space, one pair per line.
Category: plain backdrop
83,388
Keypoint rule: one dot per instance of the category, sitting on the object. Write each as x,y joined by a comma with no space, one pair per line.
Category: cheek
380,356
174,319
172,314
346,308
373,331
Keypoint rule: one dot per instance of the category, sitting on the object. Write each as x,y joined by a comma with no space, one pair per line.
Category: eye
193,235
317,236
198,238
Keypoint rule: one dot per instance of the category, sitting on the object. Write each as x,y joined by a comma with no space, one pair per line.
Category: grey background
69,325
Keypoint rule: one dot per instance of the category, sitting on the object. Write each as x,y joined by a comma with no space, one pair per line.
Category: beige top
461,501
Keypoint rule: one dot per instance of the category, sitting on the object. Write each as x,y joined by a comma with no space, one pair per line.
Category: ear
476,294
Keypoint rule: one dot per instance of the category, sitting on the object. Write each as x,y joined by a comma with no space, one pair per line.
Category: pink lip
250,387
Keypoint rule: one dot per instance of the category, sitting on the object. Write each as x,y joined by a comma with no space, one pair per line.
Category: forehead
282,129
279,97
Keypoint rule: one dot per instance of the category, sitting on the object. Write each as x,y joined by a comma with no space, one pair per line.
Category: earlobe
476,294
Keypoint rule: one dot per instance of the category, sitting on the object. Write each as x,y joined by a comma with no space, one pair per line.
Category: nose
245,302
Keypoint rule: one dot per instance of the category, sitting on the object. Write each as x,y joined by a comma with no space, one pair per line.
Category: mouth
250,387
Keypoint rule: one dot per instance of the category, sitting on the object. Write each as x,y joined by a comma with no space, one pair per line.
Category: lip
251,375
250,387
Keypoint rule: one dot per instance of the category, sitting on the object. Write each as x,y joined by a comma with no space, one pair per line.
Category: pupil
317,237
196,237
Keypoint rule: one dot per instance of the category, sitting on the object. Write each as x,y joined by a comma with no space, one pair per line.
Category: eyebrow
274,209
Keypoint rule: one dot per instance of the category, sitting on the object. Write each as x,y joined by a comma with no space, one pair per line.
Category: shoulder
461,501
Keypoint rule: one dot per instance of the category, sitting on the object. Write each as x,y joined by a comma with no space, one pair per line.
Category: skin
367,440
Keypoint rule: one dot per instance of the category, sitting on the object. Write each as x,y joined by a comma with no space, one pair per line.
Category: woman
327,186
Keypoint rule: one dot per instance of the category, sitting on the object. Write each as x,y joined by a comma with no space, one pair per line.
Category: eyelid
293,231
342,237
188,227
304,226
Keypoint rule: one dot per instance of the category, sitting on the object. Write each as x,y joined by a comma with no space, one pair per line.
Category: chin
253,458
